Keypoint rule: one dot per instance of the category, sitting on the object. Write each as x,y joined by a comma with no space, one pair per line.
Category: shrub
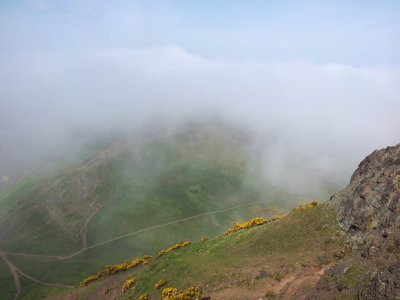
304,207
127,285
176,246
144,297
191,293
160,284
146,259
237,226
89,279
277,276
113,269
168,293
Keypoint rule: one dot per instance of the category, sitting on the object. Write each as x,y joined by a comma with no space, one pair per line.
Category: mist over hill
128,126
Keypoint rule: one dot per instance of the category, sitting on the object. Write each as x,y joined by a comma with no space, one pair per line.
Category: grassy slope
235,260
151,182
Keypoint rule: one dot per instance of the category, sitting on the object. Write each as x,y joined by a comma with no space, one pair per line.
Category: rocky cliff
369,207
368,212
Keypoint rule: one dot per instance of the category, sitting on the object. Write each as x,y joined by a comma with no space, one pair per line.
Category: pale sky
323,73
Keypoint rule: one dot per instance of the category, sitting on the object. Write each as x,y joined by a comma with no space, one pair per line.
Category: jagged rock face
368,211
369,207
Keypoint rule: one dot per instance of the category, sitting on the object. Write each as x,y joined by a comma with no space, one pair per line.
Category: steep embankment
348,248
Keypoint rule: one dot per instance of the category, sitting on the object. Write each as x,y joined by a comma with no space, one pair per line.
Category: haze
317,80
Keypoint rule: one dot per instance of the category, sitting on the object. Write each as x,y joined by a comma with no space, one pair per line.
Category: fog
315,115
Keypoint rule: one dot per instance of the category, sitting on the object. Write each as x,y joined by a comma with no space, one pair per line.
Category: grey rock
369,207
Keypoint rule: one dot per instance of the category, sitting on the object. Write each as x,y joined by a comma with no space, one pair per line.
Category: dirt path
60,195
14,271
130,234
85,226
292,285
15,275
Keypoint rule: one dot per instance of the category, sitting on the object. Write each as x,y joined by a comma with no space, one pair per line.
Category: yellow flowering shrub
176,246
89,279
106,290
259,221
160,284
168,293
203,239
146,259
306,206
144,297
113,269
237,226
127,285
275,218
191,293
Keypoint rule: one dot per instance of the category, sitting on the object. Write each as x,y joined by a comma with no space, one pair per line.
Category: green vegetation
149,186
270,294
212,263
7,286
277,276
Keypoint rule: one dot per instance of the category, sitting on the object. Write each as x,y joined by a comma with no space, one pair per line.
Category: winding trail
15,275
130,234
97,207
85,227
14,271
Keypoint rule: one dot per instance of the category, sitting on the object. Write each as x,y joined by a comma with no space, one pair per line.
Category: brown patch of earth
294,285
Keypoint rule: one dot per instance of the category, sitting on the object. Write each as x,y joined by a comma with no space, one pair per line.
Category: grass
158,180
7,290
270,294
354,276
33,290
212,262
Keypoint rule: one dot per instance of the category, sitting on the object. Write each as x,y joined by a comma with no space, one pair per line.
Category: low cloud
331,115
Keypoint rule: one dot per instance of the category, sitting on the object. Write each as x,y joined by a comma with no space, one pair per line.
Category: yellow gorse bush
160,284
89,279
306,206
252,222
144,297
113,269
168,293
259,221
127,285
176,246
191,293
204,239
146,259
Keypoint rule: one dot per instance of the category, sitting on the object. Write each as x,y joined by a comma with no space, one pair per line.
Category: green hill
134,196
286,256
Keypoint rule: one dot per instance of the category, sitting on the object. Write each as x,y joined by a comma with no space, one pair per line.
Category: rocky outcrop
368,209
368,212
